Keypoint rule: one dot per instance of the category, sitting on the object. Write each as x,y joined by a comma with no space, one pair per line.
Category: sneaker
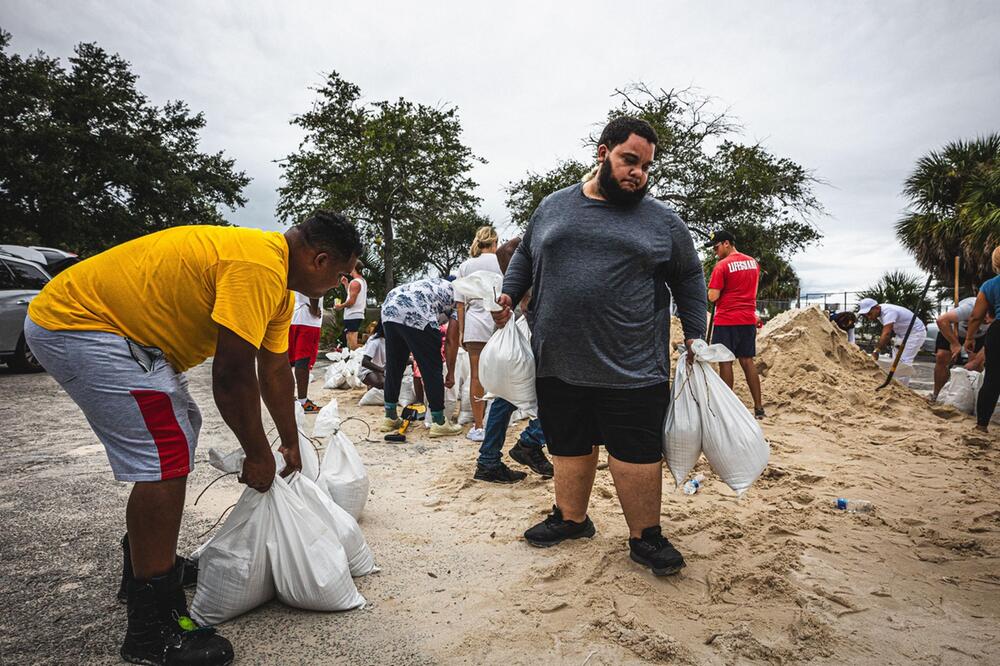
160,631
533,458
758,413
656,552
555,530
189,577
500,474
445,429
310,407
476,434
388,425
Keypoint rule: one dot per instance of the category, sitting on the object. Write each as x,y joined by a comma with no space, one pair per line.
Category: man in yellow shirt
118,330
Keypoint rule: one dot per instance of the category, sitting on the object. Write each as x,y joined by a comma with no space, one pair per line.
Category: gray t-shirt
964,313
599,276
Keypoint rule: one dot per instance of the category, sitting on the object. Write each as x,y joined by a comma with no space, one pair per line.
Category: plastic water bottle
854,506
691,486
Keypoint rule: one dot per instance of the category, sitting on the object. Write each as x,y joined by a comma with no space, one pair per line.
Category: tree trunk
390,281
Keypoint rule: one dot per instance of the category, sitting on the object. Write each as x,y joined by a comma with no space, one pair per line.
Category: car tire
23,360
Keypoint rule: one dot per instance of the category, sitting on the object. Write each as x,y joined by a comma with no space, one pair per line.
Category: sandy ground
777,576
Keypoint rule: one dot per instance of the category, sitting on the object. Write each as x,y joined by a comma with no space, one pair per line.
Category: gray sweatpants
138,406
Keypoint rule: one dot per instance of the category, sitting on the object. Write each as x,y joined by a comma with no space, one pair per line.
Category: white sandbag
308,563
234,575
308,456
961,390
682,427
343,475
300,415
360,559
407,395
327,421
483,286
465,405
374,397
333,378
507,367
732,440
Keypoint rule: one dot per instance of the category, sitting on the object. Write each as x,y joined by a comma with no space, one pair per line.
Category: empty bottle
691,486
854,506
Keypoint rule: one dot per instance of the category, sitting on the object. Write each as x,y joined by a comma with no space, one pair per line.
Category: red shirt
736,278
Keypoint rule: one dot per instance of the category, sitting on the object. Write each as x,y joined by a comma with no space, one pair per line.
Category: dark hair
619,130
328,231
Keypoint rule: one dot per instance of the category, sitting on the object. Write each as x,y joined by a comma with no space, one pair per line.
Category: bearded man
602,259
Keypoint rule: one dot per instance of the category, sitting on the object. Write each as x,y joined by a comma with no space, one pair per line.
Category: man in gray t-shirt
604,261
953,326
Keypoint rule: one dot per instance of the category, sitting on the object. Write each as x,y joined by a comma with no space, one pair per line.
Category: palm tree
900,288
955,210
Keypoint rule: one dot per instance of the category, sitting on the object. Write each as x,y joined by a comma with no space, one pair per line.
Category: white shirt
301,315
420,304
900,318
964,313
375,348
357,311
479,324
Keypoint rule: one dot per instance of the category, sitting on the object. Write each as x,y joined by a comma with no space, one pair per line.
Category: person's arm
237,395
976,361
713,295
979,311
883,340
460,308
686,280
518,278
314,308
367,362
277,389
948,327
353,289
450,352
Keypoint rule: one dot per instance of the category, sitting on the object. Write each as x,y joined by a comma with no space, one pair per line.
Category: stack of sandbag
962,390
507,367
342,474
327,421
705,416
342,373
284,543
375,397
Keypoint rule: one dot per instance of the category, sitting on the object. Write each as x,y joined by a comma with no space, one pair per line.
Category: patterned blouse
419,304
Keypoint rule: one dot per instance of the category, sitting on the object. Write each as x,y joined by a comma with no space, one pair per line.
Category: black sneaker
161,633
533,458
656,552
188,579
555,530
500,474
758,413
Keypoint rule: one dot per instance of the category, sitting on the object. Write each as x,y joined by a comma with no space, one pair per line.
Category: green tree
955,211
900,288
706,175
444,241
86,162
394,167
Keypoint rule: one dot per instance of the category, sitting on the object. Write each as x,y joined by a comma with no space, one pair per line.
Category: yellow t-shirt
173,289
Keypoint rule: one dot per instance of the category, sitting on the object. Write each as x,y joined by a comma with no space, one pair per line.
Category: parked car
51,259
20,281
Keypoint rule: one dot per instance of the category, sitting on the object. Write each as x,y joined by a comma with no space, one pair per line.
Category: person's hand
315,311
449,380
338,306
690,355
875,354
258,472
970,346
501,317
293,461
344,281
956,349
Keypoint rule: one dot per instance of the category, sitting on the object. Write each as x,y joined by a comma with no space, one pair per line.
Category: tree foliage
955,211
397,168
444,242
711,179
900,288
86,162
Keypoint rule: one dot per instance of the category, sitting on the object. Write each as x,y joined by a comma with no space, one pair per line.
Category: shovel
902,345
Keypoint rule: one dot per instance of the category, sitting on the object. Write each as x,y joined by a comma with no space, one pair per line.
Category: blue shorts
137,404
352,325
741,339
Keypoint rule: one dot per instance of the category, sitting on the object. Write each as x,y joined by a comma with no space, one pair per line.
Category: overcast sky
855,91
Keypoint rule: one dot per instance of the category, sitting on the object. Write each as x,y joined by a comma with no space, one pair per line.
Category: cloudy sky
855,91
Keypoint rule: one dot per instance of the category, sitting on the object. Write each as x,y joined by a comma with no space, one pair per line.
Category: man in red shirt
733,289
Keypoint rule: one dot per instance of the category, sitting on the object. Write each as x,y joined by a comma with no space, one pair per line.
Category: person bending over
118,331
953,326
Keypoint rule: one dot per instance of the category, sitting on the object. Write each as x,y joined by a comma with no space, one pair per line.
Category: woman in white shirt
475,324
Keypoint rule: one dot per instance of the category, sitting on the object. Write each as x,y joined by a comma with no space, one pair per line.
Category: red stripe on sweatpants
171,444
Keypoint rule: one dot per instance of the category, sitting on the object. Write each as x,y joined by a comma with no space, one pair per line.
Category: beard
614,193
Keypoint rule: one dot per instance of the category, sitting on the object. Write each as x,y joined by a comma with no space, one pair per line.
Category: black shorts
352,325
940,342
741,339
628,422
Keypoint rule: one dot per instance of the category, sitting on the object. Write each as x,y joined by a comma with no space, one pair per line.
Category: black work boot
499,474
160,631
656,552
533,458
555,530
189,578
